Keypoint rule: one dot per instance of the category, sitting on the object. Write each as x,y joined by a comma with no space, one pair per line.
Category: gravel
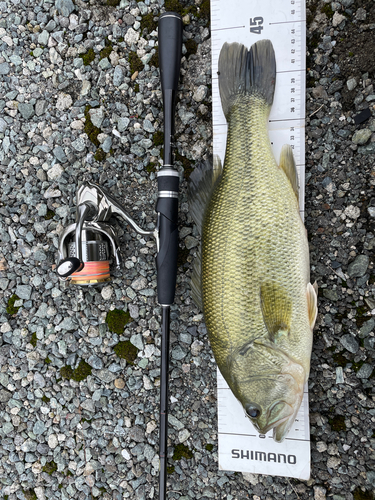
64,69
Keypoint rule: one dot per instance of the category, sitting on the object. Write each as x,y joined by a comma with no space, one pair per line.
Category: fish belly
252,235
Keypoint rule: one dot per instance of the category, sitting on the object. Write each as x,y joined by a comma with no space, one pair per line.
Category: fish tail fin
243,71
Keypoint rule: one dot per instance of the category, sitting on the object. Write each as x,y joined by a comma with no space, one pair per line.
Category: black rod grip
166,259
170,52
170,49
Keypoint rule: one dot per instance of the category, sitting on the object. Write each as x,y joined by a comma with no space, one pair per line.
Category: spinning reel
87,246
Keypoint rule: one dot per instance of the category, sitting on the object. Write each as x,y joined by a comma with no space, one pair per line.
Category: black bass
259,305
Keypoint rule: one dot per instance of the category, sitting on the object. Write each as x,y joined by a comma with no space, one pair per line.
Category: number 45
256,25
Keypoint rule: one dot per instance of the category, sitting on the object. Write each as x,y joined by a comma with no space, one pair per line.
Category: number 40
256,25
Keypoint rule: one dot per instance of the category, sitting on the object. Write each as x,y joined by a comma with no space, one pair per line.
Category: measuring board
241,448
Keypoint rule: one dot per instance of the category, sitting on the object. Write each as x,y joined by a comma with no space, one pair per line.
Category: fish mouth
275,420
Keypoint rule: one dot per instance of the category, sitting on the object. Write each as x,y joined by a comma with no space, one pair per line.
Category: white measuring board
241,448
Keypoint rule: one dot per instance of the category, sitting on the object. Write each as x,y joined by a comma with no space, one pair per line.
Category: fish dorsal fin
276,309
288,164
312,302
196,280
201,185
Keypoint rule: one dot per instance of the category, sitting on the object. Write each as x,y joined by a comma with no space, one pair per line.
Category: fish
252,275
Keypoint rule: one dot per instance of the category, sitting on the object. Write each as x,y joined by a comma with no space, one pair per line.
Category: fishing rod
170,51
87,246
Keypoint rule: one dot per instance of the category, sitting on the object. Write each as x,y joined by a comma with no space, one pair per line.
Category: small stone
26,110
148,126
122,123
359,266
137,434
55,172
371,211
39,428
366,328
351,83
361,14
131,37
118,76
191,242
95,362
3,125
337,19
139,283
39,380
24,291
41,107
43,37
365,371
200,93
178,353
319,493
97,116
107,292
65,7
4,68
339,375
79,144
5,396
183,435
361,136
133,311
321,446
60,154
119,383
52,441
333,462
349,342
64,101
106,376
352,212
126,454
88,405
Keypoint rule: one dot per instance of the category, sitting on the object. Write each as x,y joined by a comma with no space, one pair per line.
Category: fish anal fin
312,302
276,308
288,165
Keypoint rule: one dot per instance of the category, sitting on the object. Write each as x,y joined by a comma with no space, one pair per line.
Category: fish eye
253,410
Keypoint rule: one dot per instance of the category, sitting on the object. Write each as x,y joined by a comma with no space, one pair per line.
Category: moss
204,10
126,350
151,167
154,61
60,486
148,22
358,494
33,340
191,47
351,54
50,468
45,399
10,307
337,423
88,57
356,366
339,359
327,10
158,138
209,447
100,155
116,320
121,39
113,3
69,473
105,52
135,63
136,87
174,6
182,451
47,361
82,371
90,129
30,494
49,215
170,469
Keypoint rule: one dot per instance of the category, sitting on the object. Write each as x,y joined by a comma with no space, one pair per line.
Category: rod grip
170,49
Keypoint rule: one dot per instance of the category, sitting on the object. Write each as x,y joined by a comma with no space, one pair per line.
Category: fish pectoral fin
276,308
202,182
288,164
312,302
